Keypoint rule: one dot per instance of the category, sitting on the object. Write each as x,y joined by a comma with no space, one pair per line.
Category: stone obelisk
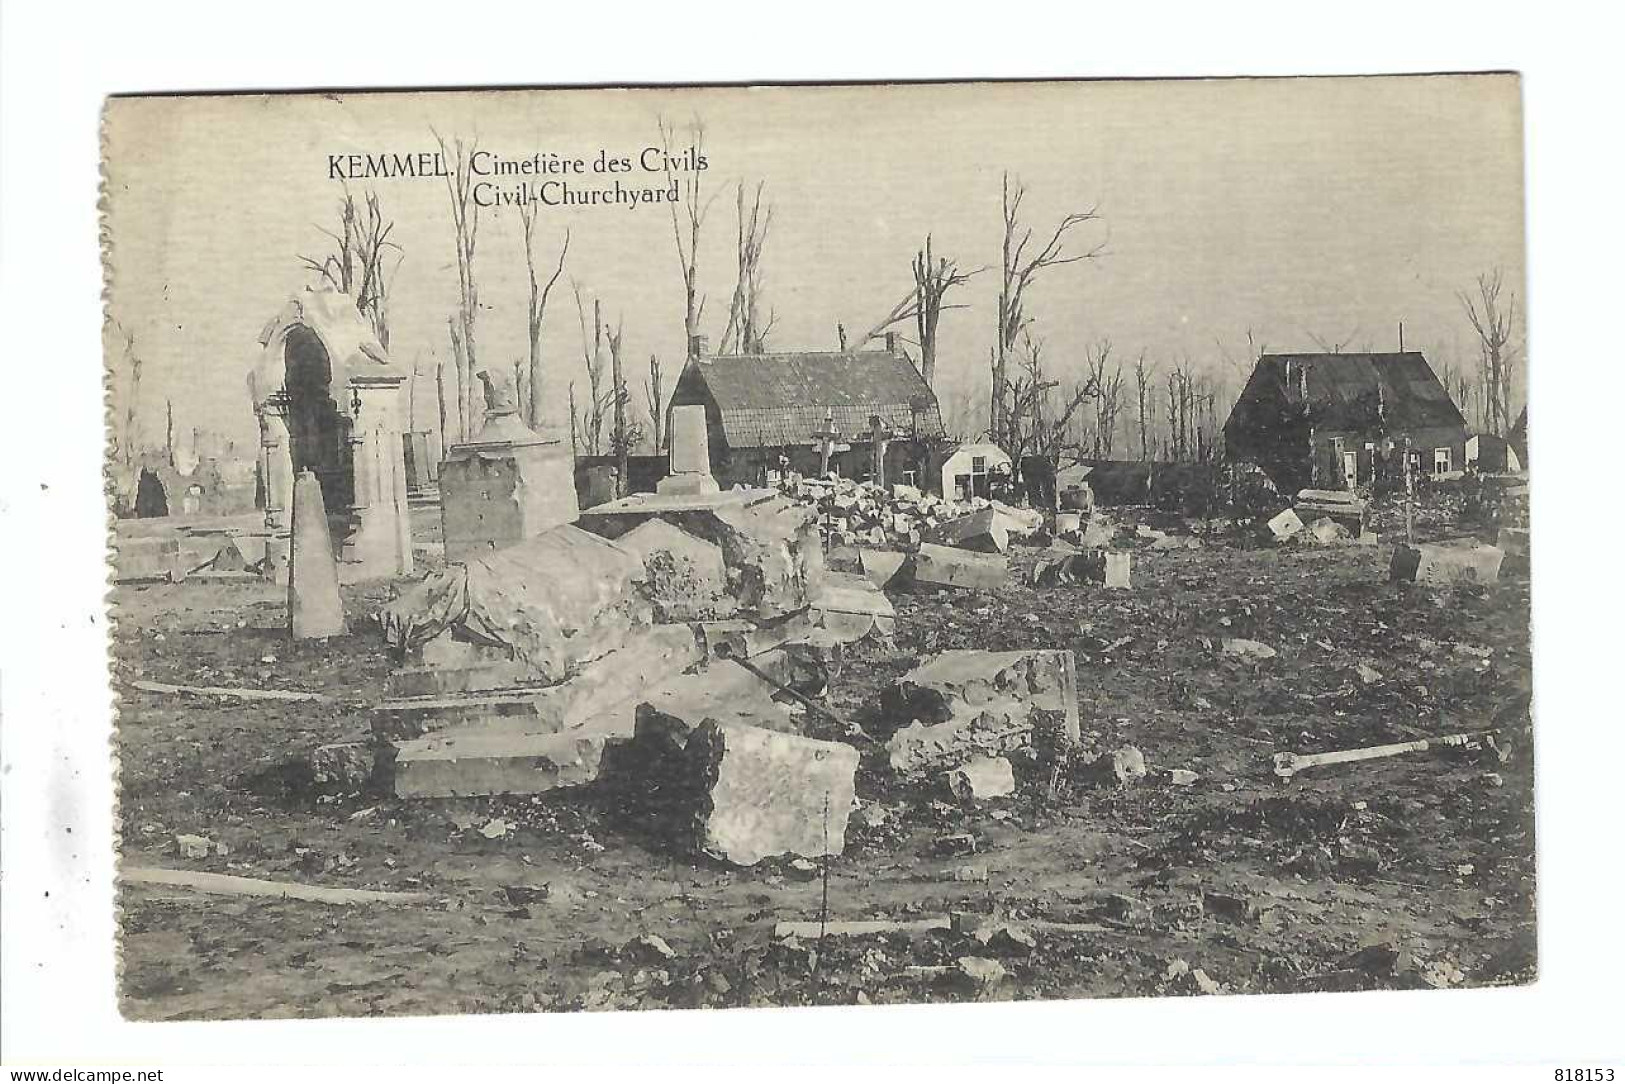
315,610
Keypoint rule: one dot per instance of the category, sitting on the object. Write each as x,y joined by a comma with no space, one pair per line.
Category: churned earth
1416,871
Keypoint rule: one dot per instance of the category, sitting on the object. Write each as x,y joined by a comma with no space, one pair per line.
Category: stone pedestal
690,454
509,485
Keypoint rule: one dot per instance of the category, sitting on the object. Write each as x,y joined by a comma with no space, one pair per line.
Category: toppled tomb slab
851,608
945,566
770,545
968,703
984,531
482,760
554,602
646,658
1445,566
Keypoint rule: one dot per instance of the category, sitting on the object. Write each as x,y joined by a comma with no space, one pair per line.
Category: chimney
891,342
698,346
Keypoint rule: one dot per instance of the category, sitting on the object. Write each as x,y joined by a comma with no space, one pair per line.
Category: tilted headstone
315,610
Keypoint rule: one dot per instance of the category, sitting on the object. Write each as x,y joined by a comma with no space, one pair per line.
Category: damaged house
1334,421
806,405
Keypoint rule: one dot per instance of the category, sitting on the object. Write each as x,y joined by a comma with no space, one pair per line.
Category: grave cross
880,435
827,443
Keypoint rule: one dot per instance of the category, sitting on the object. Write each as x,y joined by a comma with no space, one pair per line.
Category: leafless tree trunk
1018,271
465,221
460,365
747,331
535,312
127,437
619,439
1143,375
357,264
686,226
934,276
1494,326
592,352
654,394
440,393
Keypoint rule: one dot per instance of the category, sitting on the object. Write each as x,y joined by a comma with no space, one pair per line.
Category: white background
61,59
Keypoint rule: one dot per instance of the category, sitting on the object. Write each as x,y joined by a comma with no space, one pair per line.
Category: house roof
767,400
1343,389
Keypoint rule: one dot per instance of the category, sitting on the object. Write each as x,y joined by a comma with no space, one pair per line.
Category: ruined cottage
1334,421
805,404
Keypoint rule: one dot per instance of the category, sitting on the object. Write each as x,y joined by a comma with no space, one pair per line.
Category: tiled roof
768,400
1344,388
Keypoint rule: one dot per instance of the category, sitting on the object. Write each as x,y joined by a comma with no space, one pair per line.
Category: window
1441,461
978,464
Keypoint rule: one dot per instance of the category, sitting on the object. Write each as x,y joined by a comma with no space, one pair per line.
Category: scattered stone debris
981,971
1285,525
982,778
193,846
967,703
1109,568
1122,767
1248,649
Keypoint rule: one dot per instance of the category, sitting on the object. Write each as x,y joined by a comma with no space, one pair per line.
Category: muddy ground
1404,873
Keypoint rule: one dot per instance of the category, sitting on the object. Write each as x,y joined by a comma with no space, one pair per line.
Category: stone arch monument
329,401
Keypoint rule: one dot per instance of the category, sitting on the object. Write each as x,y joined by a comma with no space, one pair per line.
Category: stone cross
827,443
879,436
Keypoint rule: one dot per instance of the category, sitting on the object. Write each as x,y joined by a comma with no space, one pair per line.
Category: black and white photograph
731,547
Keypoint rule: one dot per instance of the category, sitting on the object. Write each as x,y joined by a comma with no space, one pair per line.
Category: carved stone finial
500,397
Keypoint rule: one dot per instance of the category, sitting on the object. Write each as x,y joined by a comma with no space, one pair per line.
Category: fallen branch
222,884
232,694
1289,764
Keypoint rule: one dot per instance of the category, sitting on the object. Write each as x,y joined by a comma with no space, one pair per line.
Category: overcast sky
1297,208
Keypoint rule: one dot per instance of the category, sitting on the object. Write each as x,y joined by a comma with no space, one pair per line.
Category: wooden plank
222,884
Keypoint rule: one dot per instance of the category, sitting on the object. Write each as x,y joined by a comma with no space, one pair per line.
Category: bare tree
460,367
654,395
357,264
536,311
1034,425
1108,399
126,435
620,443
440,394
747,330
1143,377
465,221
686,226
591,424
1018,270
934,276
1494,324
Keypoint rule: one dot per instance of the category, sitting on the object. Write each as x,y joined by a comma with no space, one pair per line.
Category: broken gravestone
984,531
968,703
945,566
742,794
686,576
1445,566
483,760
315,610
1110,568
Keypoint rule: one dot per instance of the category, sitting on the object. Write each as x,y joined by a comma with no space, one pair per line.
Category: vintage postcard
712,547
